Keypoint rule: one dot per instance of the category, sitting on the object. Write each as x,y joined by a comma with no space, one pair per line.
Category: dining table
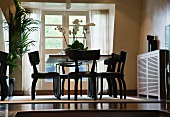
57,58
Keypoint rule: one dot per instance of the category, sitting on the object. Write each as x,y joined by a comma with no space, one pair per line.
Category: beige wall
126,35
154,20
127,31
5,6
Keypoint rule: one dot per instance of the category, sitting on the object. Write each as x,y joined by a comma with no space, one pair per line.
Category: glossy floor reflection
12,108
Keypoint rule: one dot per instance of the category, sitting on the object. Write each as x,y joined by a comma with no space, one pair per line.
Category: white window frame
65,23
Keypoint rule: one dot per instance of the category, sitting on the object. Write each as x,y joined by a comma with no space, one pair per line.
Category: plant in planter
76,44
20,27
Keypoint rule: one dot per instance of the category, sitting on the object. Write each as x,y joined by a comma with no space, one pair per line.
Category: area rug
83,99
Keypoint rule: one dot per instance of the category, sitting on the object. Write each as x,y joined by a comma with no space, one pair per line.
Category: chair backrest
67,64
3,63
84,55
34,60
3,56
116,63
123,55
112,63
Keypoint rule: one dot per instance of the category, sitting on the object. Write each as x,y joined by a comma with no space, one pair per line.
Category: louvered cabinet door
151,74
142,75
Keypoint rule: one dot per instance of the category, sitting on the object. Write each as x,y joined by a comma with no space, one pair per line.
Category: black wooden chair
34,60
63,65
84,56
3,77
115,70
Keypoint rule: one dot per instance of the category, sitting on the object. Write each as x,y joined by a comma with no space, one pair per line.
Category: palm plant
20,27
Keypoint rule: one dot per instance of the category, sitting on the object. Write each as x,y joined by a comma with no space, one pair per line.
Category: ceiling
62,6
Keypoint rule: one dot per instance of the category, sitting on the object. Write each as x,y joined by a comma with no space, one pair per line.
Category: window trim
65,23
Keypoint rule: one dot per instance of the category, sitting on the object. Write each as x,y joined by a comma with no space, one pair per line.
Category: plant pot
11,86
67,53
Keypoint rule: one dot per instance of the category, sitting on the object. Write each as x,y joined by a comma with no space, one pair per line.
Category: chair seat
63,76
45,75
69,64
110,74
83,74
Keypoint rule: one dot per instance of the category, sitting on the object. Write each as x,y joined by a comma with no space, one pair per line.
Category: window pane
53,19
50,31
53,43
70,40
49,67
79,33
72,18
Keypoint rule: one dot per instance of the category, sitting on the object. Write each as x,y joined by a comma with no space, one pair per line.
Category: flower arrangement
76,44
86,29
62,29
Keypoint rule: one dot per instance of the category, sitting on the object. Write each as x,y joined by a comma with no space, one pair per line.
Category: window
53,40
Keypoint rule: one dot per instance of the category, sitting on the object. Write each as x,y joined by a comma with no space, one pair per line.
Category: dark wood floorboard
92,109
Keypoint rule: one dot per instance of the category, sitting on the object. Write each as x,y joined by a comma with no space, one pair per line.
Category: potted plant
76,44
20,27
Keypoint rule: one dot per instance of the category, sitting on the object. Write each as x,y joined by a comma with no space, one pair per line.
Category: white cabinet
151,73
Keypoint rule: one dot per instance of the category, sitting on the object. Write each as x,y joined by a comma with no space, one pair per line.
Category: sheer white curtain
26,67
101,36
4,37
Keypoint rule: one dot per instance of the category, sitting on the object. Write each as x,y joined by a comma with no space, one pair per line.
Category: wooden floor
157,108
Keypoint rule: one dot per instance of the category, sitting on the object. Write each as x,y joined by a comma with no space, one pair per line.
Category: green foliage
76,45
20,27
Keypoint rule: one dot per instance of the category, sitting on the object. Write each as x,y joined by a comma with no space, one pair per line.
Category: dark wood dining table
56,58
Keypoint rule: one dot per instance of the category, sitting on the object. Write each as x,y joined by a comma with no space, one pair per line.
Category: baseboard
18,93
131,92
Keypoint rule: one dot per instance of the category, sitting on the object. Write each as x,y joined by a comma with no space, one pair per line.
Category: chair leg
56,87
4,89
63,81
101,90
76,88
120,87
94,88
89,87
110,86
81,86
33,88
68,88
114,87
124,86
